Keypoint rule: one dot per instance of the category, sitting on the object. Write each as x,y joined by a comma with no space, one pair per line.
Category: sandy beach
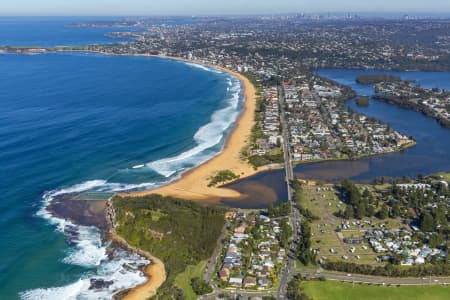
155,271
193,185
156,275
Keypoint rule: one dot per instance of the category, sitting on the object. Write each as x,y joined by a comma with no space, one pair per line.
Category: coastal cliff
155,271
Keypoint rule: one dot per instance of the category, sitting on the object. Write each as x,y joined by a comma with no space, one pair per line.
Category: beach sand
193,185
155,271
156,275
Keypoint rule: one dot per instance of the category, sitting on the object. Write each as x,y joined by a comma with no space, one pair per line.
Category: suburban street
295,216
211,266
295,221
289,269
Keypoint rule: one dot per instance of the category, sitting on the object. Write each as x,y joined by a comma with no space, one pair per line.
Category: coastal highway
381,280
290,269
294,218
286,149
295,215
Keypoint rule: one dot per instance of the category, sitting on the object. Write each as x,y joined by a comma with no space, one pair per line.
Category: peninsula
292,115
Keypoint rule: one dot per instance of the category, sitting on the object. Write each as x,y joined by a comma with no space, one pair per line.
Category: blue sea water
75,122
54,31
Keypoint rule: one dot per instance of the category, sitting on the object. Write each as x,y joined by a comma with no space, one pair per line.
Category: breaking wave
203,67
111,276
108,273
208,138
114,271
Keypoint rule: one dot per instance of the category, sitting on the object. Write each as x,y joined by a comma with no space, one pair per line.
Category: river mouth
259,190
430,154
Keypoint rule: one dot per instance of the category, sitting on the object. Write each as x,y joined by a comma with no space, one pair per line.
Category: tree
304,252
222,177
200,287
270,210
360,210
366,193
384,212
348,213
286,232
436,240
294,290
441,217
426,222
370,212
396,259
395,211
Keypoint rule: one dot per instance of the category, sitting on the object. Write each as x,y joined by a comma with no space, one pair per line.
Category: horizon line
378,13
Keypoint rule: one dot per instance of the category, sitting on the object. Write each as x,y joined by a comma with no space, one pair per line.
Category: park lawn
446,176
325,290
378,187
369,259
183,280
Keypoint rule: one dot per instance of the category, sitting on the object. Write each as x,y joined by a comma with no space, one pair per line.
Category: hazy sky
190,7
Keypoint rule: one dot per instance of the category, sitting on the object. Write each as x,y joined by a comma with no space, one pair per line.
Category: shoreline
401,148
154,271
229,158
193,184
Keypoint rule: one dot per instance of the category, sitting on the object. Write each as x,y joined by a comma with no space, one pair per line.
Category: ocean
77,122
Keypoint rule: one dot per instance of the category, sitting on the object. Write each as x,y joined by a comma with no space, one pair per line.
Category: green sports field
327,290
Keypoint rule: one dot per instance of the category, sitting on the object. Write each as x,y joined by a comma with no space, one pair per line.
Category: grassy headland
181,233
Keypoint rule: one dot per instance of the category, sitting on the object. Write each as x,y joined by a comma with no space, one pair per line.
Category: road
295,219
295,215
236,294
290,264
330,275
211,266
286,149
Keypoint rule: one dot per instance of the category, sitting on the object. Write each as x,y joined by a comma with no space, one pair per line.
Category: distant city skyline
208,7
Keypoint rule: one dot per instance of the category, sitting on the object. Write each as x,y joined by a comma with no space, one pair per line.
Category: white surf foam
78,188
122,187
203,67
207,137
89,251
121,272
68,292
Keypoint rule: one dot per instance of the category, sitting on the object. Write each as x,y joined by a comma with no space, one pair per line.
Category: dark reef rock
97,284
